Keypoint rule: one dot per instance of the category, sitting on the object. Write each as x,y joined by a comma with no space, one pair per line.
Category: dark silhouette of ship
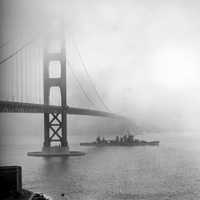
126,140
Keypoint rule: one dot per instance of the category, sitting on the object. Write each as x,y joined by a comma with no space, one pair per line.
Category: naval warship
126,140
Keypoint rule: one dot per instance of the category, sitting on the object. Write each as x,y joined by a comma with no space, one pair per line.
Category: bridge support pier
55,124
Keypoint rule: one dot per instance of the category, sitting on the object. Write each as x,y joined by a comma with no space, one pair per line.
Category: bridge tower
55,124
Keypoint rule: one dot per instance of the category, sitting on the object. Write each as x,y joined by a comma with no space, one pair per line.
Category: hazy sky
142,55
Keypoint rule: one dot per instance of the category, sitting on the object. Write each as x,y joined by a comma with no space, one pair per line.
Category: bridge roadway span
19,107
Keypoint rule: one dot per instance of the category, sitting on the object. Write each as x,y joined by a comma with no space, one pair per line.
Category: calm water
170,171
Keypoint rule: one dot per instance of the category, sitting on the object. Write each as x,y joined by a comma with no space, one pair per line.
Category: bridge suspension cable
80,86
20,65
26,61
18,37
17,51
89,77
29,42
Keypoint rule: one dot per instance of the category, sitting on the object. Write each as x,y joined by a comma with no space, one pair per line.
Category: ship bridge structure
34,80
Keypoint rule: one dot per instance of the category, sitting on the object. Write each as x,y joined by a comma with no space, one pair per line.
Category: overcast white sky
143,55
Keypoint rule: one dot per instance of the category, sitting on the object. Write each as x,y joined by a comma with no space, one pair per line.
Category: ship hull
152,143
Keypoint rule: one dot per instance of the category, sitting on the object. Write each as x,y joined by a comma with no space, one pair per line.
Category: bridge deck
18,107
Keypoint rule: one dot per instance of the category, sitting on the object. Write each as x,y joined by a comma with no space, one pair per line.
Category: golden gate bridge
33,79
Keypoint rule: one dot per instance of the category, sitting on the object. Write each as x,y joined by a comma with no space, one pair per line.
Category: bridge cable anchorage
90,78
76,78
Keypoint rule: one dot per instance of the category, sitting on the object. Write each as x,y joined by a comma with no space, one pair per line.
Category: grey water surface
169,171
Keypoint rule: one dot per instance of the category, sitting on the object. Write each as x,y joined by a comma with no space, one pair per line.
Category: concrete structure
10,181
55,123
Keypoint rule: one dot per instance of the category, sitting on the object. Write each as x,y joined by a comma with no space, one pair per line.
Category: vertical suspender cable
35,72
24,74
89,77
17,79
30,74
40,64
19,76
11,78
14,79
24,61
